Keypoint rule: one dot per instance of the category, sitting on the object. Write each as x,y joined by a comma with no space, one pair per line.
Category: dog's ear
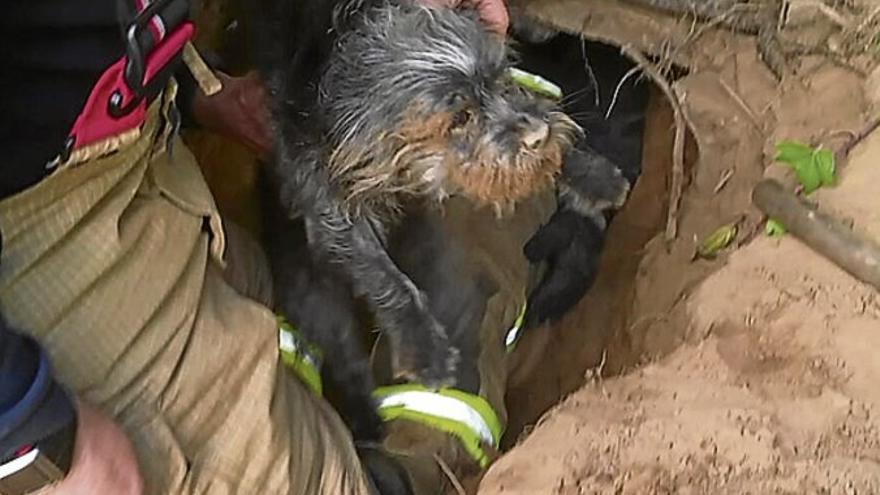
590,183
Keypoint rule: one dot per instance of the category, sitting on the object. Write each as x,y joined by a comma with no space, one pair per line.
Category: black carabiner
135,63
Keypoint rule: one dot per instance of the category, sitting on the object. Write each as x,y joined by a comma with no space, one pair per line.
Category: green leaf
812,167
718,240
808,175
792,152
774,228
824,161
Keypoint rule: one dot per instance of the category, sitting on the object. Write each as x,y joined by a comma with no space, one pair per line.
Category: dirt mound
754,372
780,396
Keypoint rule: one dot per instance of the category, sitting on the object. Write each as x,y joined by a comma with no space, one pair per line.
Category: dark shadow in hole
637,133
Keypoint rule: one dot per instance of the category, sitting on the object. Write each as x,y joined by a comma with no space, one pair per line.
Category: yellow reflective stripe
303,359
468,417
535,83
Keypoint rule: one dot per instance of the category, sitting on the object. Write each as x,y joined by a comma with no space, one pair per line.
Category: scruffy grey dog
379,103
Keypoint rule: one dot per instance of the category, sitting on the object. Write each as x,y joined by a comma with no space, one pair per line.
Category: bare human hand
103,459
492,12
239,111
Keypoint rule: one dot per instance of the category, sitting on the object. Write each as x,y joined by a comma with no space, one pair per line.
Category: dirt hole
553,363
597,335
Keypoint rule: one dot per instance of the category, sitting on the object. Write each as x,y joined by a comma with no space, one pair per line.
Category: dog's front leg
320,303
420,346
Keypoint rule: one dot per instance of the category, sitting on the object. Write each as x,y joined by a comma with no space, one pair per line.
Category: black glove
605,163
571,244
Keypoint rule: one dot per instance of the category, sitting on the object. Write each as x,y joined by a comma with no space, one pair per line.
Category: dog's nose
535,134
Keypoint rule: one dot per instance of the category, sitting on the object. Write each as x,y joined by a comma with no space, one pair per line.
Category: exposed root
723,20
832,15
735,15
677,183
595,373
620,84
723,180
856,138
771,51
742,105
762,19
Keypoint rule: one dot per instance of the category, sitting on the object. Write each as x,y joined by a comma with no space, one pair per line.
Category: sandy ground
774,389
776,393
754,373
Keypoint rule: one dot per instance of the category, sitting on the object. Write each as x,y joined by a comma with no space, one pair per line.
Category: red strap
24,449
95,123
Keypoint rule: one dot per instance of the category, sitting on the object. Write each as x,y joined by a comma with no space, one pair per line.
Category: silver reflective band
18,463
512,335
442,406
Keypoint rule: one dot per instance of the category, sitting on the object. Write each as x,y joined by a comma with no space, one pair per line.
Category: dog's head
420,101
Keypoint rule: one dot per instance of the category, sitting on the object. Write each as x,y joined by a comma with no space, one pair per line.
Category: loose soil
754,372
751,373
775,392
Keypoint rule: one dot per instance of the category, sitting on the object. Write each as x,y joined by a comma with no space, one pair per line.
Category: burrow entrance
608,331
629,119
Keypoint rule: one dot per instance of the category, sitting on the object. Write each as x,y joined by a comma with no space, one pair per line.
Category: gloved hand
571,245
590,188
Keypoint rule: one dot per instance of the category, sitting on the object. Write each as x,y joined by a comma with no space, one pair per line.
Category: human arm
571,245
33,406
37,413
239,111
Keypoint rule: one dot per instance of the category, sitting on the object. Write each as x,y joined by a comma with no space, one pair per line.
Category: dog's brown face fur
422,105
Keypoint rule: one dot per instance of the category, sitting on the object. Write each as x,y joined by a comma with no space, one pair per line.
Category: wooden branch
820,232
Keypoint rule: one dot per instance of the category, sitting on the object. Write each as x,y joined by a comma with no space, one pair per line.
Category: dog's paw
441,368
591,183
426,356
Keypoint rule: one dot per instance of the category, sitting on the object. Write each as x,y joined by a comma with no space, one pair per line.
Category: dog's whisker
410,103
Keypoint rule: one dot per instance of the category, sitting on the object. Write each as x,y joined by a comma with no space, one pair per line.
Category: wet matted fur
378,103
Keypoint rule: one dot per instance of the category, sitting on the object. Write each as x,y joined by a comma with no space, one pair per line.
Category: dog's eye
461,118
